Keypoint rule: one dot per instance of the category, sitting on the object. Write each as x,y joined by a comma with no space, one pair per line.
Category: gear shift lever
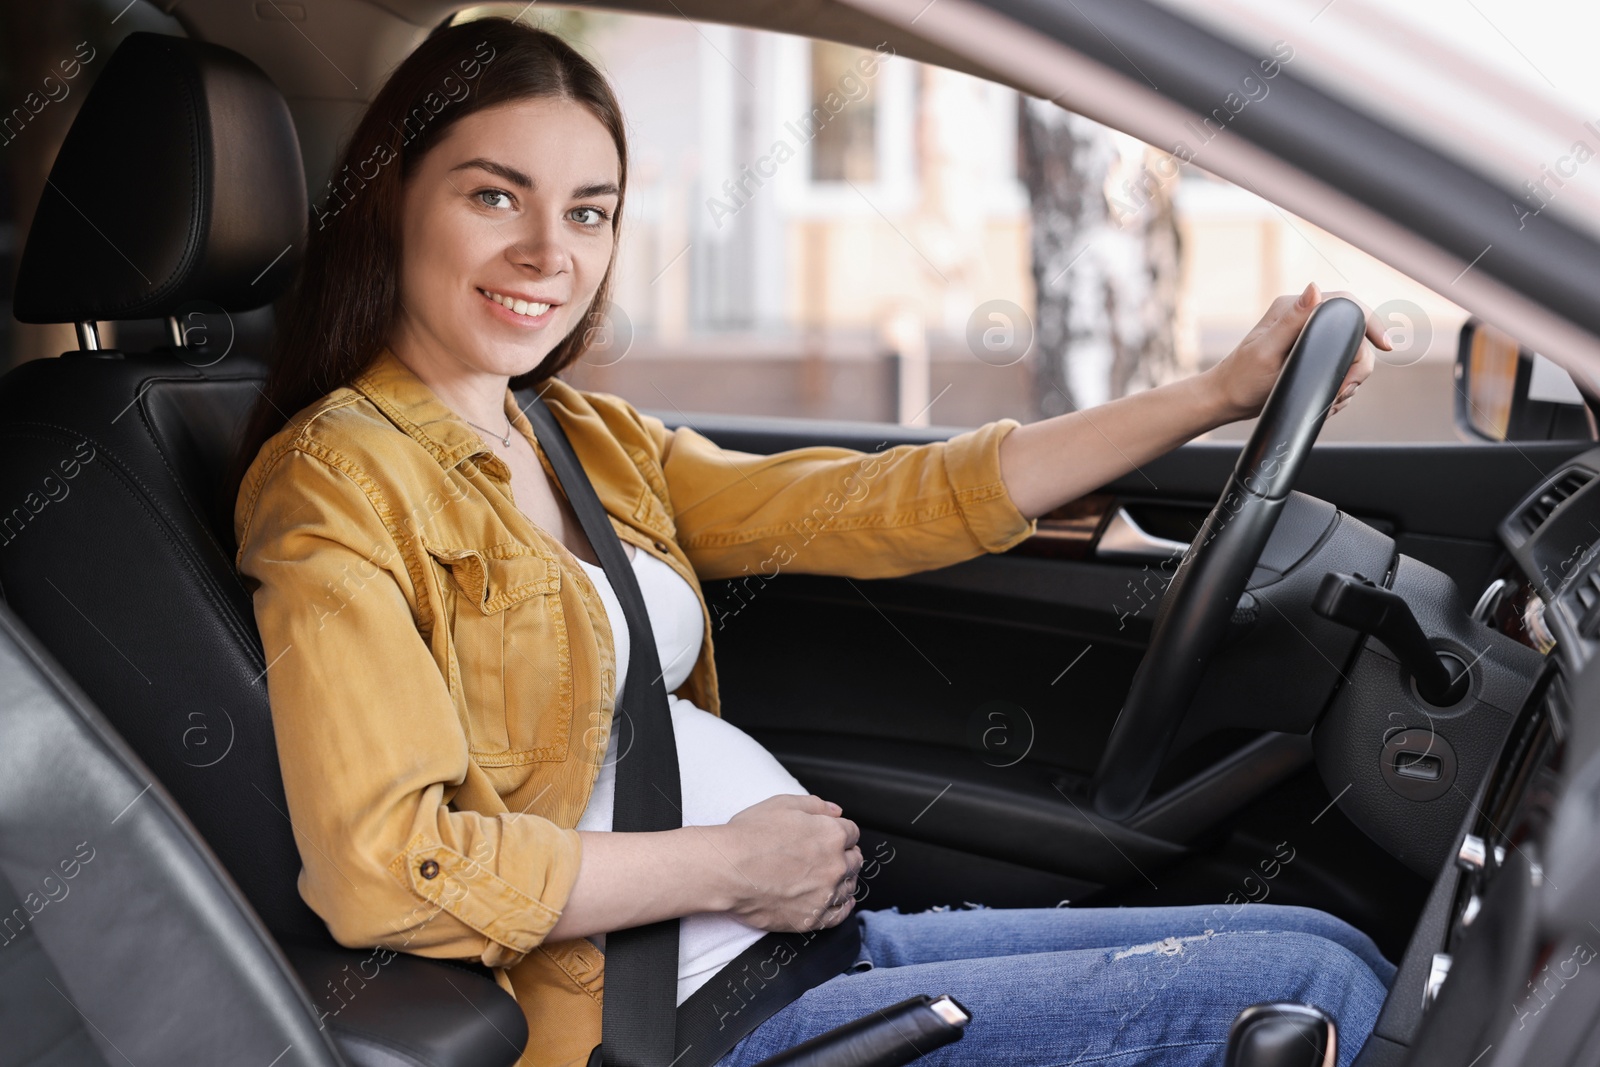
1282,1035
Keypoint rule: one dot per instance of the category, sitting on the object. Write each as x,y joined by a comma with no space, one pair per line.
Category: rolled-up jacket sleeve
370,741
824,509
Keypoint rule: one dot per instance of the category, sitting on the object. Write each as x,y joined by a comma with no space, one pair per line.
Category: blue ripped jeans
1112,987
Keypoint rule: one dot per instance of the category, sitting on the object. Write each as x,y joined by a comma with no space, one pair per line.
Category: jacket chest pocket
509,635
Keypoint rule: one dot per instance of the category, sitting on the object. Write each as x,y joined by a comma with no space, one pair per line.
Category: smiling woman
348,295
445,652
466,213
508,237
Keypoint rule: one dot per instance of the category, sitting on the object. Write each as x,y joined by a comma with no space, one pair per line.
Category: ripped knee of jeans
1167,946
966,905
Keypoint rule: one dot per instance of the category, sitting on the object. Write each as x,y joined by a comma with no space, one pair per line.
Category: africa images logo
451,90
852,87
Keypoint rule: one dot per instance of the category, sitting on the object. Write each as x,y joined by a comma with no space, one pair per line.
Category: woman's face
506,231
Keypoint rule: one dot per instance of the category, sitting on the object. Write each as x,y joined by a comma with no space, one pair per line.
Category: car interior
1385,714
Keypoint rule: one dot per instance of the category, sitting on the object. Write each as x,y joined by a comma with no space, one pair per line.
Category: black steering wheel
1193,617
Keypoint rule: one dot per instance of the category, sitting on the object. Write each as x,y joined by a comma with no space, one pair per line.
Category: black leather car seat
180,187
121,939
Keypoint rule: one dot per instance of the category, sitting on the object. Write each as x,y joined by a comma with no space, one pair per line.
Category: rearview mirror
1505,392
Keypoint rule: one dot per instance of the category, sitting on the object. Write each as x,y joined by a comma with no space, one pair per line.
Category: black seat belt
641,1024
639,1020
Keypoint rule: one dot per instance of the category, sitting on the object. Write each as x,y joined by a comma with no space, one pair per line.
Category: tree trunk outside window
1105,259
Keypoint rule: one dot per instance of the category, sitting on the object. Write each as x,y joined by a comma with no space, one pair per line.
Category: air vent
1550,498
1583,601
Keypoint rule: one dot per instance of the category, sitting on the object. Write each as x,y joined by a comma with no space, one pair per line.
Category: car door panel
956,712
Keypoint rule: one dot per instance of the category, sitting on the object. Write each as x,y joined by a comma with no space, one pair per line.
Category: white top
723,770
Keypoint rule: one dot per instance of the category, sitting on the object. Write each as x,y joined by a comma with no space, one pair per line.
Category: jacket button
429,869
661,546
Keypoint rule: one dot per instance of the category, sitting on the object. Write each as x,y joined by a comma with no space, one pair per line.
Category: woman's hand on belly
794,860
786,863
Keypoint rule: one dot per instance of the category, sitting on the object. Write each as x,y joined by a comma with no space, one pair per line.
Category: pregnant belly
723,770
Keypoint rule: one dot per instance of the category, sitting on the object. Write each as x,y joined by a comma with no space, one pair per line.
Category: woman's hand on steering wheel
795,861
1247,375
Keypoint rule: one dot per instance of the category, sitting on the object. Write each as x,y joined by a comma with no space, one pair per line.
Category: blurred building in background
823,231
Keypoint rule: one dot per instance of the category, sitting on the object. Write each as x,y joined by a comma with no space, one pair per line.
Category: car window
826,231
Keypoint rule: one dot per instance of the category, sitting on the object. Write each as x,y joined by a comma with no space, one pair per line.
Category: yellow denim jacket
441,670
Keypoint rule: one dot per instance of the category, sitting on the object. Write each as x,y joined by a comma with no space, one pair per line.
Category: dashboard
1499,972
1550,585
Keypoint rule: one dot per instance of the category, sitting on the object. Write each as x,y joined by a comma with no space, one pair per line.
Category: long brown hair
337,316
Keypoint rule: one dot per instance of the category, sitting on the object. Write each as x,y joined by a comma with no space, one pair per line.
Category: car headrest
179,182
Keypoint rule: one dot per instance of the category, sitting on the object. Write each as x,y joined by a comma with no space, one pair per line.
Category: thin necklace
506,440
